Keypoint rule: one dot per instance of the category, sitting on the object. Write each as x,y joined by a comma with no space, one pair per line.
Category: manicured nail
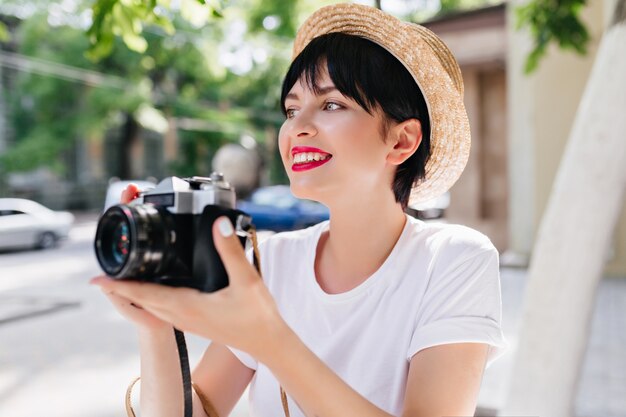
225,227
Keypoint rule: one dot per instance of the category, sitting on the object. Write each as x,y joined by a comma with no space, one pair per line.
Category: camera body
165,235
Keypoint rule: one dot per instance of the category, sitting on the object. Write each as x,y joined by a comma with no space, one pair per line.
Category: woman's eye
328,106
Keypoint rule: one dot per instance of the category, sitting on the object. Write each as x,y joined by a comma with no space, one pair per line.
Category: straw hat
433,67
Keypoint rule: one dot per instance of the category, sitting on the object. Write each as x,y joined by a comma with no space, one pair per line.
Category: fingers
115,299
121,302
152,305
145,294
129,194
231,252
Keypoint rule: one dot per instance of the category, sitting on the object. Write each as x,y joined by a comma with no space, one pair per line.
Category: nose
303,125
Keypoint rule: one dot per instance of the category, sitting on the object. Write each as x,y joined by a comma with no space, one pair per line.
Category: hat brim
435,71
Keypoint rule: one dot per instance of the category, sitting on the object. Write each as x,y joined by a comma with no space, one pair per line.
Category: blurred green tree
49,113
225,72
551,21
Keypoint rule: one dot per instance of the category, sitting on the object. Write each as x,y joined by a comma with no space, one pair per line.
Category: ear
405,137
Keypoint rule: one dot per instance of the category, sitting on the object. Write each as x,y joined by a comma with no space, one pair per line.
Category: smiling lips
306,157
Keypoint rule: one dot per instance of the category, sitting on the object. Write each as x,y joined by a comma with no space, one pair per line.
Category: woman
372,313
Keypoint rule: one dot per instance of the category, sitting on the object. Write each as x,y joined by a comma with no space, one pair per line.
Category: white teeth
309,157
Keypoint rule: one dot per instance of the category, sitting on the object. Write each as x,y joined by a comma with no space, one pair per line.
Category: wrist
281,339
155,333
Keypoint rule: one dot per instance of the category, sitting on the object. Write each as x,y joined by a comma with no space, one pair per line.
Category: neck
361,236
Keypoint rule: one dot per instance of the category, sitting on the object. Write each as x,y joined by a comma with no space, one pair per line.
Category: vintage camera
165,235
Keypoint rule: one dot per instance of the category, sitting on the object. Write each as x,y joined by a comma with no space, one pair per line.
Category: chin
306,192
300,191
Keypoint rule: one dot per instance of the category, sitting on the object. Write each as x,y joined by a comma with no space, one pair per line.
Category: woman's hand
133,312
143,319
130,193
242,315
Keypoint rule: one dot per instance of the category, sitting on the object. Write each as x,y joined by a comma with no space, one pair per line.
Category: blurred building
520,124
478,40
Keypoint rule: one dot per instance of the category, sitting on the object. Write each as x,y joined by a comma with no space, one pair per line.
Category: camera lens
115,241
132,241
120,244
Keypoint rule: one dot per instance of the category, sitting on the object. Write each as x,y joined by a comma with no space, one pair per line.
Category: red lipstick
305,166
300,149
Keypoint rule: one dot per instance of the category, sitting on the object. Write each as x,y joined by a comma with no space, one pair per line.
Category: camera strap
186,373
184,357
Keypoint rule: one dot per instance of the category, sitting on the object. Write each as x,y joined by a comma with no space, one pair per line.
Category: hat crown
335,22
443,54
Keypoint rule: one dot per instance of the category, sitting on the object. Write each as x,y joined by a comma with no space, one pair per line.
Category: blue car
275,208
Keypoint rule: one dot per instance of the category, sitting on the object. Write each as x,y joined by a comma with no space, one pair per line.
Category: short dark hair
371,76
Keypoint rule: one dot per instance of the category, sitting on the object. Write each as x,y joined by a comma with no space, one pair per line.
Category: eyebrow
320,92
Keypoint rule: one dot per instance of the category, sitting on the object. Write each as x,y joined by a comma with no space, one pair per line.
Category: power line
62,71
98,79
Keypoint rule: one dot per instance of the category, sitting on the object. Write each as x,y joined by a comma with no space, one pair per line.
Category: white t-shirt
439,285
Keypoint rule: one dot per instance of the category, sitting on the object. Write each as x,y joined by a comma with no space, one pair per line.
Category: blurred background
183,88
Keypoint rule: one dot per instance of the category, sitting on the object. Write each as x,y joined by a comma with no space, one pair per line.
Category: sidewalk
602,387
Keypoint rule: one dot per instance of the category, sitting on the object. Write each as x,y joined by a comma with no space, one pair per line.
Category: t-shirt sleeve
244,357
462,303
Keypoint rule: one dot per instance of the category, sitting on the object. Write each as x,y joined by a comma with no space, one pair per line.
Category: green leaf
122,20
135,42
552,21
101,48
165,24
5,36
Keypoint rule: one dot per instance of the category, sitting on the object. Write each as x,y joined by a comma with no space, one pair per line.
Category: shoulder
451,243
457,237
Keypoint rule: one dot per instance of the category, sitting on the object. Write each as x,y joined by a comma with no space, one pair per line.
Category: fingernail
225,227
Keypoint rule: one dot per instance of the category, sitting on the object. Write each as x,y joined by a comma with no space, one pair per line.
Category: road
64,351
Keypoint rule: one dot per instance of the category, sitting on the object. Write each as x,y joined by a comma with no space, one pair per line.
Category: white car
27,224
